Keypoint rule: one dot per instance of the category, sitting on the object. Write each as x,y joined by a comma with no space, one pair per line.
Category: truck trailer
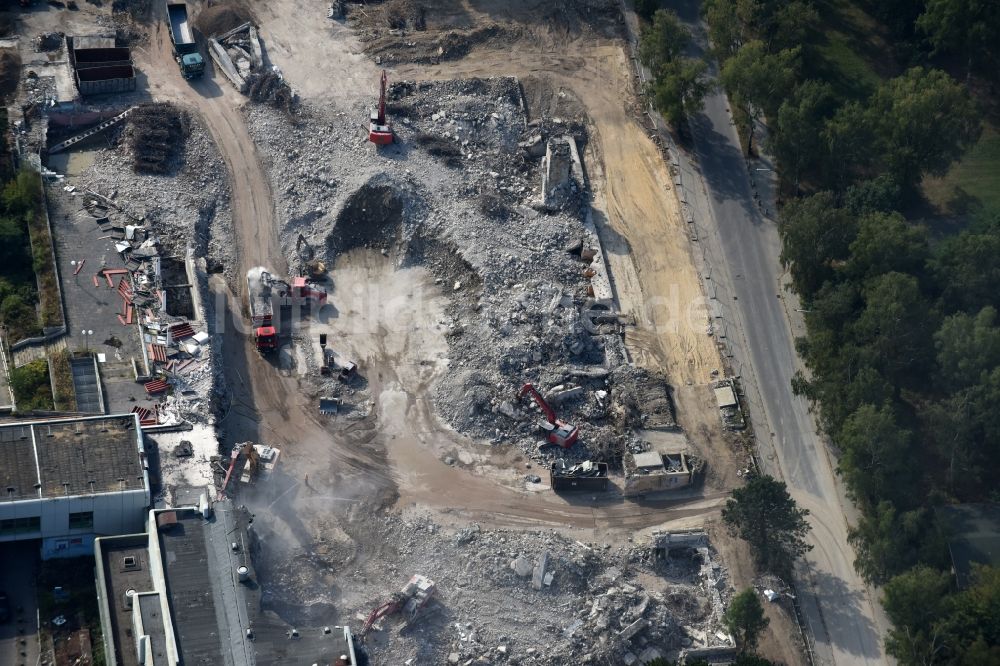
263,289
588,475
261,301
185,48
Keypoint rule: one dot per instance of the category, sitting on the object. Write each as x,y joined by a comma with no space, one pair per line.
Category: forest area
865,103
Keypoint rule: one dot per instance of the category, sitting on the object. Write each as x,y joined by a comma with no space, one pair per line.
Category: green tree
22,195
915,601
887,542
876,458
966,28
966,268
815,234
745,619
15,252
968,348
922,122
796,138
663,42
725,30
763,514
792,23
759,81
874,195
895,328
646,8
679,89
973,626
886,242
849,136
964,431
31,386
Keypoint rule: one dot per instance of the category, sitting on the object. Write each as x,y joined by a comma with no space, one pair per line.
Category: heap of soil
221,18
371,217
10,72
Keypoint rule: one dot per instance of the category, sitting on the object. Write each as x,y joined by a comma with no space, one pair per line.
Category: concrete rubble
600,603
477,196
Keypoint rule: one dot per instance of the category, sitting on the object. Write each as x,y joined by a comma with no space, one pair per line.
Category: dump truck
185,48
261,301
263,289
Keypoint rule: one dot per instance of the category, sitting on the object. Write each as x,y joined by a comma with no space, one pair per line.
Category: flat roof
726,397
151,613
68,457
210,609
119,579
183,536
648,460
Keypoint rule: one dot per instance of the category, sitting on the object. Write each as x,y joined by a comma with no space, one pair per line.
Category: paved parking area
95,308
18,571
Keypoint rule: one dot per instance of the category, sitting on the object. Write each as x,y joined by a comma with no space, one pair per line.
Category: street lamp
86,337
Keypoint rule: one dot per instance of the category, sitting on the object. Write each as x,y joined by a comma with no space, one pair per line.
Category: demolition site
363,298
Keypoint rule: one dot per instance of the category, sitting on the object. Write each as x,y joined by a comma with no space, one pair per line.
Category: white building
68,481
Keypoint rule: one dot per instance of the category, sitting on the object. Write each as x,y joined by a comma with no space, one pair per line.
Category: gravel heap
460,194
488,607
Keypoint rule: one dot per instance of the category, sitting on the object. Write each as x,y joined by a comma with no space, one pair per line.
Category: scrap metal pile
171,347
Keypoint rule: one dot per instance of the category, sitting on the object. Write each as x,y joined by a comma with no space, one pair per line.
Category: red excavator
560,433
409,601
379,130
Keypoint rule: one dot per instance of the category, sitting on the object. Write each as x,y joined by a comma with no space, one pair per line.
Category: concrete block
538,575
631,630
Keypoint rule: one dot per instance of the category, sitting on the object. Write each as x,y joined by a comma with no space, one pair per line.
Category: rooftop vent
129,594
130,562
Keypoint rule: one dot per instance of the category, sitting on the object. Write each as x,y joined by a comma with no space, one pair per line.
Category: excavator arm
529,389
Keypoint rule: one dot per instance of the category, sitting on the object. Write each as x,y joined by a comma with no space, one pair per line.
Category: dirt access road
273,406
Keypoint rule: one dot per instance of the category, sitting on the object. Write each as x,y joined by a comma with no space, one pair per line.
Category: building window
81,521
20,525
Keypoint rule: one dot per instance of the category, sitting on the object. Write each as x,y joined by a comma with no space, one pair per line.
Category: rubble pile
269,87
155,137
461,194
510,596
188,209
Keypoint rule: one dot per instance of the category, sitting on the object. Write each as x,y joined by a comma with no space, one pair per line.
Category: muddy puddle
72,163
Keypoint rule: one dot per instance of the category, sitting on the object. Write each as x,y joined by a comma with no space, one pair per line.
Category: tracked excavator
559,432
379,129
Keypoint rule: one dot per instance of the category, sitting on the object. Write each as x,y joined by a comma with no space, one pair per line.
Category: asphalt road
740,248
